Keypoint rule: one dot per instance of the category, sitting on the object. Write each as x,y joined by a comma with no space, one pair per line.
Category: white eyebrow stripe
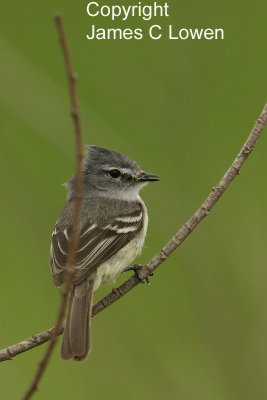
127,171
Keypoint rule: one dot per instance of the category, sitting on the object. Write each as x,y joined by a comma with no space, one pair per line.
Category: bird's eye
115,173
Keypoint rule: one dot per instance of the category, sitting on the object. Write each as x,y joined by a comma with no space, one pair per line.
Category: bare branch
77,214
163,254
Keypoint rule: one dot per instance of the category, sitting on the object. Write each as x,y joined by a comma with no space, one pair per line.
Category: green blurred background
182,109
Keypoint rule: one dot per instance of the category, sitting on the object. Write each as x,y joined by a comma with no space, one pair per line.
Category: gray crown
99,156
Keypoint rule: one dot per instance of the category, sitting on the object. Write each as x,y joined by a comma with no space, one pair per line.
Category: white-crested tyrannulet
113,227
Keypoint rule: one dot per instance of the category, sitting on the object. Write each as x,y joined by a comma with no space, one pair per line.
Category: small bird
112,231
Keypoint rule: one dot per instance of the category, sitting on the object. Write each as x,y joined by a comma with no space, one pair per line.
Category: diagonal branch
77,213
164,253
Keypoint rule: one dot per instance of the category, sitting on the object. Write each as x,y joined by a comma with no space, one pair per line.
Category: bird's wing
96,244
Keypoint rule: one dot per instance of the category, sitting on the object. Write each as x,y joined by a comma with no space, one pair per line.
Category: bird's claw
136,268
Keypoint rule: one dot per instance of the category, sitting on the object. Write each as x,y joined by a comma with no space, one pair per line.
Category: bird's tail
76,336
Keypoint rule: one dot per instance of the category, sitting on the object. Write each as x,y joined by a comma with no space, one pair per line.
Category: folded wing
96,244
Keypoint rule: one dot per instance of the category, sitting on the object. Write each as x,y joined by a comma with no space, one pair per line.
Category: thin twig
77,212
163,254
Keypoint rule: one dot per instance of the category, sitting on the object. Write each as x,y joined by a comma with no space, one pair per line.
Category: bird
112,230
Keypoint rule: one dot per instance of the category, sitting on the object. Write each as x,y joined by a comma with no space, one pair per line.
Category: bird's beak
147,177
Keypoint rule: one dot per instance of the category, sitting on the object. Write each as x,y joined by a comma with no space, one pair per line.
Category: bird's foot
136,268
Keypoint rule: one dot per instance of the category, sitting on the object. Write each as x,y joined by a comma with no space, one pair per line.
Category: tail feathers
76,337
